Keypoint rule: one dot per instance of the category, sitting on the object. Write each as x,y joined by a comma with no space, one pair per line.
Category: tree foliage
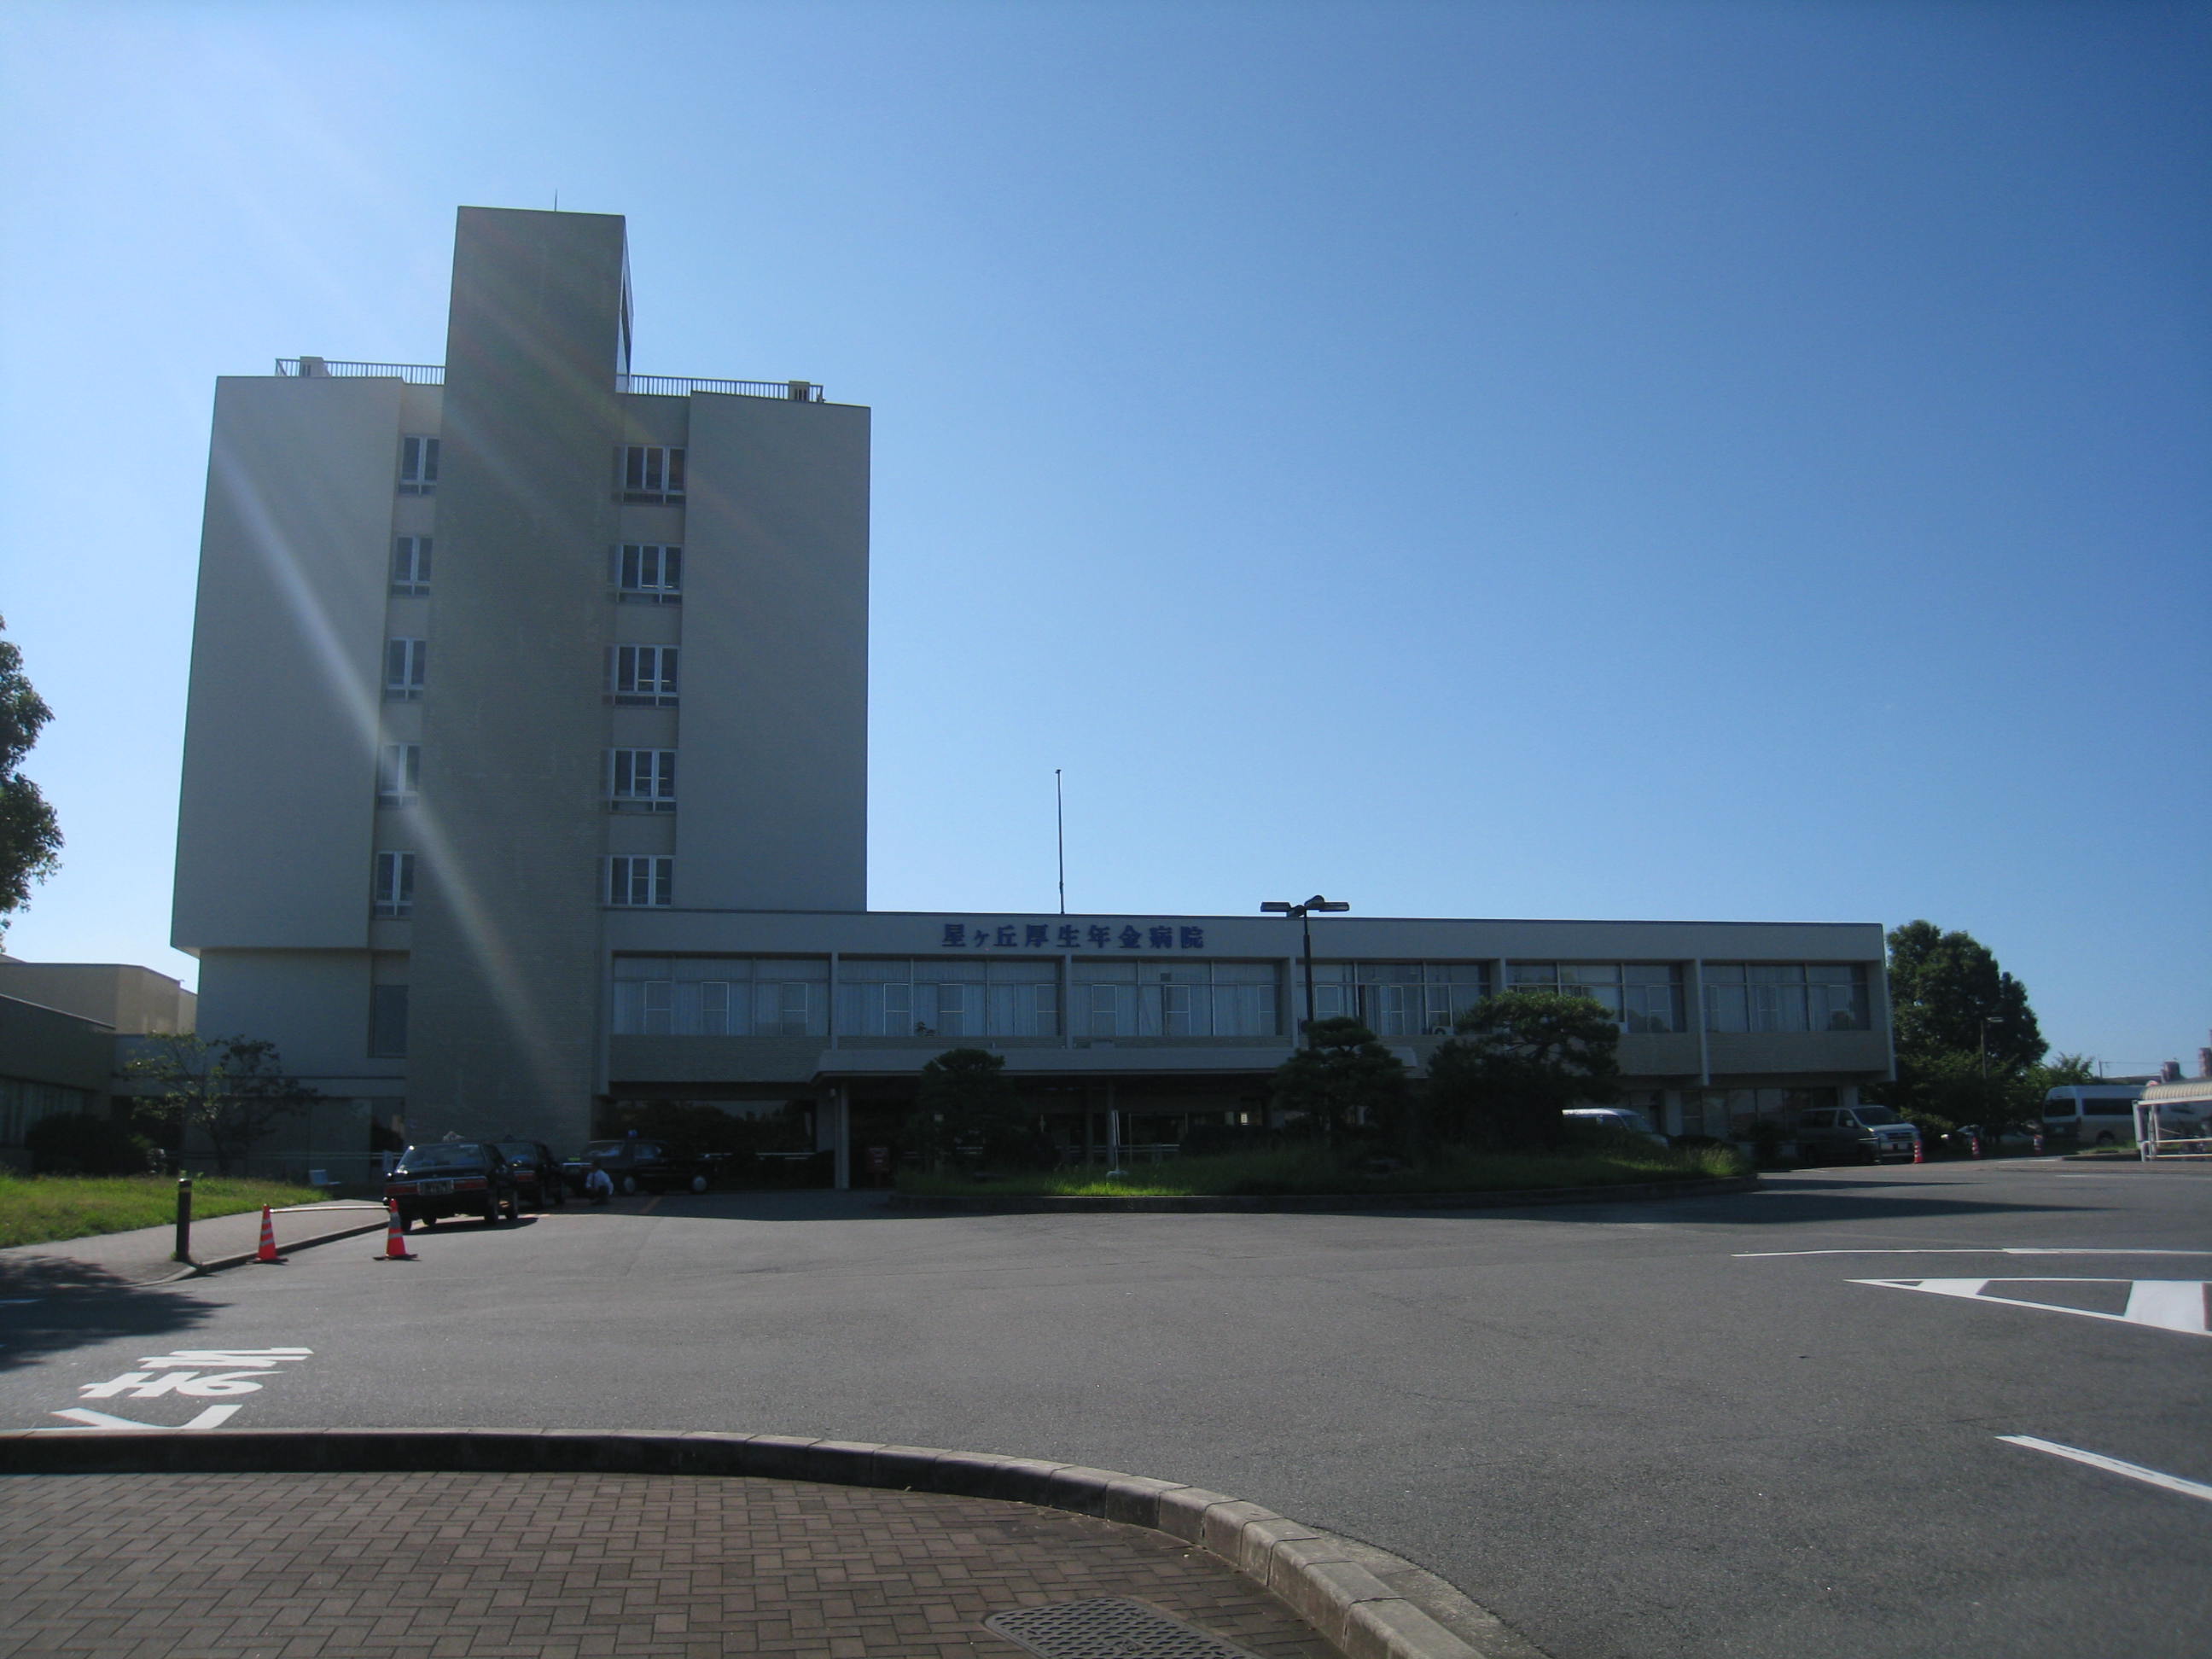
1342,1078
966,1112
229,1090
1969,1049
30,835
79,1144
1514,1062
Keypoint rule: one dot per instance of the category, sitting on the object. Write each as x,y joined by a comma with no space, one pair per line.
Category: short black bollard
183,1251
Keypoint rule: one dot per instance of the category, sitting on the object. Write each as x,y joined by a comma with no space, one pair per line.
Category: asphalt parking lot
1772,1423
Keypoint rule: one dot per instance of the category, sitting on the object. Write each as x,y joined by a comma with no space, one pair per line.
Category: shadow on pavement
53,1304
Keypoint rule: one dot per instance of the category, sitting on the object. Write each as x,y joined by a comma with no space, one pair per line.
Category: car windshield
605,1149
447,1155
1871,1116
518,1151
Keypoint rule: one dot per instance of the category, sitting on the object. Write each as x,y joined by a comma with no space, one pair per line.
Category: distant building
65,1030
525,777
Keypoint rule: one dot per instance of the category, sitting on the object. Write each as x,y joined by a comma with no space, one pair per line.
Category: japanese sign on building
1071,936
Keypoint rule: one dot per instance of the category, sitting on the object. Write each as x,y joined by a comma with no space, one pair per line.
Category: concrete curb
1312,1203
1369,1603
217,1264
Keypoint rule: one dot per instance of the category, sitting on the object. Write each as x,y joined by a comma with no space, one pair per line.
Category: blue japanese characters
1068,936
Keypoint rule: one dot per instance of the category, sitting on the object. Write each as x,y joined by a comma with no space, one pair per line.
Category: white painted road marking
193,1373
2169,1304
2113,1465
213,1417
1989,1250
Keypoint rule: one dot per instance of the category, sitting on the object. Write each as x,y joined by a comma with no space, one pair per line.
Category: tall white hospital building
526,776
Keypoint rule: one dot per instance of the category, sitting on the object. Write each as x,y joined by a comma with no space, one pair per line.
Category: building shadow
49,1304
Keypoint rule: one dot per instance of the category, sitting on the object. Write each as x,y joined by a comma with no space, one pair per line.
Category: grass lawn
38,1209
1316,1169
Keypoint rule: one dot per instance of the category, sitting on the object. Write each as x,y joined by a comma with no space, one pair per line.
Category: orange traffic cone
395,1237
1919,1149
268,1251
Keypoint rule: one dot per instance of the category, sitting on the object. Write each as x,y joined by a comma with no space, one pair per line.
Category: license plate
437,1187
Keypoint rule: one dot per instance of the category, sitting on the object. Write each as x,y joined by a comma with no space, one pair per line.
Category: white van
2092,1114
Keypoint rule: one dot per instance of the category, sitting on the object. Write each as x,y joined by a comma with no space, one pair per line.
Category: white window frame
391,892
643,676
411,564
643,779
649,571
406,663
650,472
398,774
636,881
418,465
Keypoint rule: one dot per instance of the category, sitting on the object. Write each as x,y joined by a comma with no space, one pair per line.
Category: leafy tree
229,1090
1343,1077
2061,1071
30,837
1514,1062
967,1111
1969,1049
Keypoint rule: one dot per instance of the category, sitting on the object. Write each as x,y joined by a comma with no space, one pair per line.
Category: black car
453,1177
538,1178
639,1165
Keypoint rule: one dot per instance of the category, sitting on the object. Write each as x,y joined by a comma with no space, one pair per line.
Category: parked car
640,1165
1860,1134
1615,1117
537,1176
453,1177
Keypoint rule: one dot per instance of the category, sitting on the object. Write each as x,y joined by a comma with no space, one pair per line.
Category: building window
1397,998
644,675
1786,996
418,466
652,473
640,882
1175,999
23,1103
387,1022
648,572
411,564
1643,997
404,663
933,997
641,780
395,885
398,774
722,996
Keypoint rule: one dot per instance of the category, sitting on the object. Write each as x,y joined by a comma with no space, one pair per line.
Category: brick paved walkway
564,1566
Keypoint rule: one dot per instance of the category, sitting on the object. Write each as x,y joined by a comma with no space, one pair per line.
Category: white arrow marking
213,1417
2113,1465
2168,1304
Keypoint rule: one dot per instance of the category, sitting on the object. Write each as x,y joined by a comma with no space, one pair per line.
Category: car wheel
2104,1138
629,1186
698,1183
427,1221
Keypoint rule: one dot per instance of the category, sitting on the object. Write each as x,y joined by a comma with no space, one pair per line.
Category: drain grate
1109,1627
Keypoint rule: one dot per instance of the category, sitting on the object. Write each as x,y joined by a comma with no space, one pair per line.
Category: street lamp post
1283,907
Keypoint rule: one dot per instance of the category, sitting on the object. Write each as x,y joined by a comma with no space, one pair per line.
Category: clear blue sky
1566,459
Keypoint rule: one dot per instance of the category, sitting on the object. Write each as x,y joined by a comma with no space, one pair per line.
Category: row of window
639,570
638,676
629,882
935,997
639,778
645,473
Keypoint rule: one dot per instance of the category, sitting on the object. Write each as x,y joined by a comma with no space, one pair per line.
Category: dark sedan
453,1177
639,1165
538,1178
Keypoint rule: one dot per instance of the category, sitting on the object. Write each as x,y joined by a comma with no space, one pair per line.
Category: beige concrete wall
314,1005
127,998
503,1007
273,842
49,1045
773,774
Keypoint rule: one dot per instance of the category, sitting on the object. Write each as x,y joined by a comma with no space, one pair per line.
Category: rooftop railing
654,386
